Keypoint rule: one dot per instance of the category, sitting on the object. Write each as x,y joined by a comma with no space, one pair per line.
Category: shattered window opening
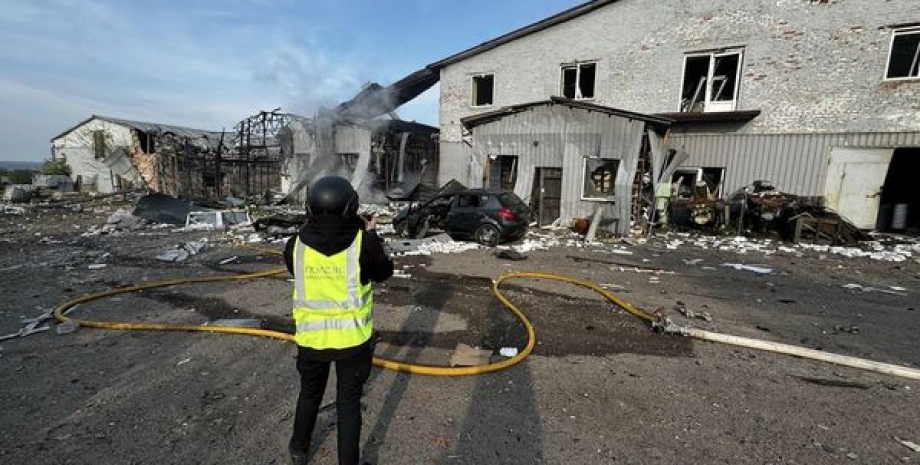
599,178
578,81
483,90
99,148
697,183
147,141
904,55
348,160
710,82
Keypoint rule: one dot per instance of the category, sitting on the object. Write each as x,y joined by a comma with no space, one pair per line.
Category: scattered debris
755,268
908,444
441,243
97,266
121,220
32,326
508,352
228,260
879,249
861,288
216,219
846,329
182,251
834,382
17,193
281,224
681,307
510,254
11,210
162,208
65,327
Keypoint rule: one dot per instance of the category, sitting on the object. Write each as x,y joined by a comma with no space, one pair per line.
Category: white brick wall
808,66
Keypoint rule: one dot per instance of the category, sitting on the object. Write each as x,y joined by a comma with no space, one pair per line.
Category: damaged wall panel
545,135
381,157
795,163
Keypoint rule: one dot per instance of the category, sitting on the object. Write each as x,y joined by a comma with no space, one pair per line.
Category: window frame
894,33
577,65
473,93
713,55
584,175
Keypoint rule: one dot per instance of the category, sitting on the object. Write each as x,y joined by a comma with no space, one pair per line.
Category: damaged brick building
819,97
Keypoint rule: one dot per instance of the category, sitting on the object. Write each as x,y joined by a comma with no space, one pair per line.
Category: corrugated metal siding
557,136
795,163
454,163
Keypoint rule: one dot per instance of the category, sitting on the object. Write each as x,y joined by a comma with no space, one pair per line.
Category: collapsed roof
150,128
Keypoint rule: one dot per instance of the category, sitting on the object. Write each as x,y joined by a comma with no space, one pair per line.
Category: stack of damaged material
761,209
795,218
803,222
759,205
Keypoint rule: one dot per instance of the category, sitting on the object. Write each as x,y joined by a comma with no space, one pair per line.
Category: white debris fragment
508,351
874,250
97,266
861,288
908,444
11,209
182,251
755,268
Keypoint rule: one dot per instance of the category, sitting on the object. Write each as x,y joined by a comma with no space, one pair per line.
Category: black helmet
332,196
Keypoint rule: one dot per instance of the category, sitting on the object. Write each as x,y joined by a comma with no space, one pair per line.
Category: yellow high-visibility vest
332,309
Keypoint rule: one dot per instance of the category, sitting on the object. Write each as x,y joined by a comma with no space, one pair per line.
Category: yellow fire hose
60,313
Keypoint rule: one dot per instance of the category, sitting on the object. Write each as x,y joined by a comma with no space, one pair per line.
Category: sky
208,64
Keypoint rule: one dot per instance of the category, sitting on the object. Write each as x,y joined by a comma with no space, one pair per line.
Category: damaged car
486,216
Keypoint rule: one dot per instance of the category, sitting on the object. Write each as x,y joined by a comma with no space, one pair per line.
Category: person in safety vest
335,258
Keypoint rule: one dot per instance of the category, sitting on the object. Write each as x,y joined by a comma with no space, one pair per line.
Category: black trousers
350,374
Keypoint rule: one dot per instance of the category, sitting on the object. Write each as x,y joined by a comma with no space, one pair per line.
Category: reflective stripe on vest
332,309
333,323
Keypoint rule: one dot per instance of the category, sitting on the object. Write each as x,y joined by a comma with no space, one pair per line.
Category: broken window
578,80
483,90
710,82
504,172
904,58
99,148
469,201
599,178
348,161
147,141
697,183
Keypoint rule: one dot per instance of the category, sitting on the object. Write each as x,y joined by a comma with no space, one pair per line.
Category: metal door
854,183
546,197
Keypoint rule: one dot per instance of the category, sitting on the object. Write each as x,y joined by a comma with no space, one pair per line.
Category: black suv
487,216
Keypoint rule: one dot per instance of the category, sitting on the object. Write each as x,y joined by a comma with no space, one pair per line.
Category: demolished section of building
267,151
108,154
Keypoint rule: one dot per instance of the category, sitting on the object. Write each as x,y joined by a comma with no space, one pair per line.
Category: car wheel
487,235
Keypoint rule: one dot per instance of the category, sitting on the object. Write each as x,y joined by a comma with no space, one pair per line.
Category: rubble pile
875,250
11,210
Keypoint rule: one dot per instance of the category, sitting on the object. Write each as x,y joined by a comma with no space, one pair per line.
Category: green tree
58,166
20,176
